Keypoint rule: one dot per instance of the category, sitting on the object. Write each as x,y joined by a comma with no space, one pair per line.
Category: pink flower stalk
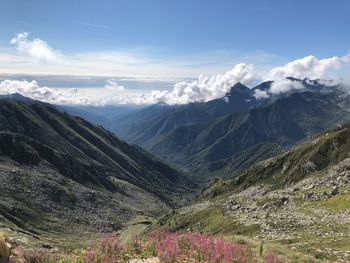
272,258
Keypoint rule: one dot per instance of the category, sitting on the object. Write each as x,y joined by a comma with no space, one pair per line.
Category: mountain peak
16,96
239,87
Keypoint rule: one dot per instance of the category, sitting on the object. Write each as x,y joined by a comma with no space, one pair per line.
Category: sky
173,42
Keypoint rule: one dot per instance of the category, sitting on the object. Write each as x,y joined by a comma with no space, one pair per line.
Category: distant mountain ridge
284,122
197,134
141,126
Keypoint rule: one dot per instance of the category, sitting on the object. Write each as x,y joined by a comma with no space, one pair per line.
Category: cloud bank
308,67
200,90
32,90
206,88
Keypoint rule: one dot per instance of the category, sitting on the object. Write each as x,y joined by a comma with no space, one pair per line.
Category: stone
47,246
335,190
311,186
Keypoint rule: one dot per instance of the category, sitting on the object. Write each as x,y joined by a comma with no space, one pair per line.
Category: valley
291,199
273,176
150,131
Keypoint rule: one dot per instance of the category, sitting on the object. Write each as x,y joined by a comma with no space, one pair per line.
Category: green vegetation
211,220
334,204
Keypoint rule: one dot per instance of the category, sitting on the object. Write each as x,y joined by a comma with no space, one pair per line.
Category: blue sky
178,40
278,31
289,28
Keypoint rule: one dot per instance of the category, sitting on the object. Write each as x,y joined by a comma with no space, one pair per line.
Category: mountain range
273,168
195,135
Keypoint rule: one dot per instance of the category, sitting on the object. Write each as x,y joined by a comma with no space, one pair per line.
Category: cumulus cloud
32,90
205,88
285,85
202,89
307,67
109,95
260,94
36,48
113,85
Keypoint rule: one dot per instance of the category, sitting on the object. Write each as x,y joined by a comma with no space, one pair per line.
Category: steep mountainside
61,172
283,122
235,165
202,136
147,124
299,199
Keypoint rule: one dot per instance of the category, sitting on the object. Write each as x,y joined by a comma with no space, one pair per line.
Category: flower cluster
167,246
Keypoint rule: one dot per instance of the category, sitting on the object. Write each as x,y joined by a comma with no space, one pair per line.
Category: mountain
143,125
235,165
90,116
309,158
299,200
206,134
16,96
61,173
284,122
102,115
147,124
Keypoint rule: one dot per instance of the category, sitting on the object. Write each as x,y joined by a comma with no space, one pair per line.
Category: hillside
299,199
204,137
62,173
237,164
284,122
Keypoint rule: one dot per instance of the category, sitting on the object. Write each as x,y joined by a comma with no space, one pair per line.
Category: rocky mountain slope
299,199
62,173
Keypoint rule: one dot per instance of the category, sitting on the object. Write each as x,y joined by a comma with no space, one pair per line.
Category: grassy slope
285,201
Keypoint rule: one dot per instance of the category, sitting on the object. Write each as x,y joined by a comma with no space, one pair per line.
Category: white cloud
285,85
205,88
31,89
260,94
75,96
135,63
36,48
307,67
113,85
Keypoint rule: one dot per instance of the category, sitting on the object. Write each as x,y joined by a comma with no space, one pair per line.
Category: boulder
335,190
